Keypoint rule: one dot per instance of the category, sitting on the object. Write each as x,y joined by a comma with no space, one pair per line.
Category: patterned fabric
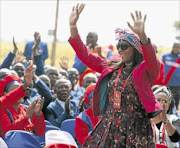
129,127
128,36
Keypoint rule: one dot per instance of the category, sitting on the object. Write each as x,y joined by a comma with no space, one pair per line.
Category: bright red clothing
36,126
144,77
82,129
160,78
11,98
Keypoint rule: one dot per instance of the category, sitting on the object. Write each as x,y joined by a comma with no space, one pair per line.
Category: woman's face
163,99
128,52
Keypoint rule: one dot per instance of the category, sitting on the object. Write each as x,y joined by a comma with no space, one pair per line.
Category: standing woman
166,126
123,94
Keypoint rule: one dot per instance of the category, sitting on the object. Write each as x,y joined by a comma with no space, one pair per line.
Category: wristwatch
166,122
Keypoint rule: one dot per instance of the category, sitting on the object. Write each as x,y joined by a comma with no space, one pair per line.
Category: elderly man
64,106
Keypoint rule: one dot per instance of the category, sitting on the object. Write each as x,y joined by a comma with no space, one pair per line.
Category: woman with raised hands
123,95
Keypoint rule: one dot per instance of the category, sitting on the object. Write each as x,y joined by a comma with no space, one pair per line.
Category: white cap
57,136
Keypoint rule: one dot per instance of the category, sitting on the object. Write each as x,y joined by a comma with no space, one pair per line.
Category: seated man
56,111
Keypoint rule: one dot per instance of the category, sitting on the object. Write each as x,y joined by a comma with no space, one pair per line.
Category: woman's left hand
139,24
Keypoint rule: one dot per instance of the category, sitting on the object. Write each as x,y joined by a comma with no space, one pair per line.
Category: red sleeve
39,125
151,61
6,125
81,131
14,96
92,61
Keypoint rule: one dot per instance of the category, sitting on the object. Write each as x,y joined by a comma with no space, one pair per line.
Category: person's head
46,80
64,73
4,72
164,96
19,68
63,89
73,76
37,36
89,79
89,93
92,39
176,48
8,84
128,46
53,75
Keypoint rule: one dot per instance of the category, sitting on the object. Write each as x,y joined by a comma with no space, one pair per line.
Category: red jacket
83,126
144,76
36,126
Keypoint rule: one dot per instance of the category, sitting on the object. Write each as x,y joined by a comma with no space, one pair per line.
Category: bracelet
73,26
144,39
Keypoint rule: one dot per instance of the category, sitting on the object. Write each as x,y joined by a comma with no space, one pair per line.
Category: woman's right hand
74,16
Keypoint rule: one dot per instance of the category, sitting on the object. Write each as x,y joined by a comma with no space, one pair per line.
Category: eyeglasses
123,46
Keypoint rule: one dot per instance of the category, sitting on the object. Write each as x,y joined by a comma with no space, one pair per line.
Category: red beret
7,80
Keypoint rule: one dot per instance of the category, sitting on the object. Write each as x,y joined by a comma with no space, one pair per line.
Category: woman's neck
157,120
128,65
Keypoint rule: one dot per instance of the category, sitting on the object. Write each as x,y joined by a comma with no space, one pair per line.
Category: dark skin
63,91
73,77
19,68
176,49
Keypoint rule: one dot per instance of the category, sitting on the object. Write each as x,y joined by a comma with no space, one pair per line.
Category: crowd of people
124,99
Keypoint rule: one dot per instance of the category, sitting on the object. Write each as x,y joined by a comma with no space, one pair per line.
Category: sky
21,19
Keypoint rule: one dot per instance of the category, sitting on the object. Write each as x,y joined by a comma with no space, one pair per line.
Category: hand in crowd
36,44
163,114
74,16
64,63
99,50
81,102
19,57
39,106
28,75
15,46
30,109
139,24
67,106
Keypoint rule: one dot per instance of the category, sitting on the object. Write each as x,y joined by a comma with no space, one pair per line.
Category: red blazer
144,77
36,125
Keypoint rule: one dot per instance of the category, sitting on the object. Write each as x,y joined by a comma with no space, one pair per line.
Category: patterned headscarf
128,36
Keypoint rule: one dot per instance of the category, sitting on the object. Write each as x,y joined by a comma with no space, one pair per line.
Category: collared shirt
61,103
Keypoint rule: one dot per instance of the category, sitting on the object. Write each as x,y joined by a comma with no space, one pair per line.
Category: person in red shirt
17,117
85,121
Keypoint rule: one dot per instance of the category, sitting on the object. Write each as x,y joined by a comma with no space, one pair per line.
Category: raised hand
163,113
38,107
74,16
30,109
139,24
15,46
29,73
64,63
19,57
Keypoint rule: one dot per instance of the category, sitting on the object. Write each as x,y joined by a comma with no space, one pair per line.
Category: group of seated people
31,95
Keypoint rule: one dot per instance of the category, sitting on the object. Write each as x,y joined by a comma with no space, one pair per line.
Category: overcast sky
21,18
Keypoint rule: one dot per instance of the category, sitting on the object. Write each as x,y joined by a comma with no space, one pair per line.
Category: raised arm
74,16
151,61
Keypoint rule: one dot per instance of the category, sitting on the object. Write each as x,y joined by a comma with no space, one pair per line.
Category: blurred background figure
171,62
